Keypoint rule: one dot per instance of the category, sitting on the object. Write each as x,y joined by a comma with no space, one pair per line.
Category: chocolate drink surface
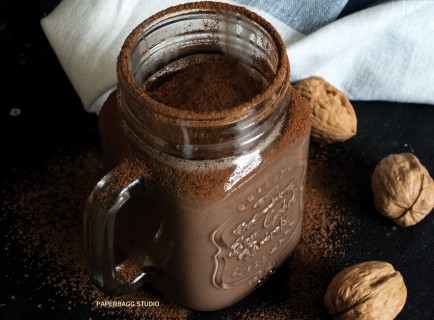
206,156
204,83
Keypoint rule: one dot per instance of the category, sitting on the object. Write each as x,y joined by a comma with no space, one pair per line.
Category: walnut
333,116
402,189
369,290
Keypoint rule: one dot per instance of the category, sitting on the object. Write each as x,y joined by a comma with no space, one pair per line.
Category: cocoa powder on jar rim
238,111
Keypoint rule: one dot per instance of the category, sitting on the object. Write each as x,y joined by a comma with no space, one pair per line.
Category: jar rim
232,114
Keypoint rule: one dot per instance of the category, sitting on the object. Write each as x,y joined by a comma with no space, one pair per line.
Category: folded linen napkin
383,52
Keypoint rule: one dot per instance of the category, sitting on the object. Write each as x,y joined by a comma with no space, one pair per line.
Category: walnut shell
369,290
403,189
333,116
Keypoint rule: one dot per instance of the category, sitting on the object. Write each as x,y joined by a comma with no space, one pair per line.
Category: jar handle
101,208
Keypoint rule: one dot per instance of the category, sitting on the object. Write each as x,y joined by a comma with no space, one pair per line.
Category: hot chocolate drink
207,152
236,218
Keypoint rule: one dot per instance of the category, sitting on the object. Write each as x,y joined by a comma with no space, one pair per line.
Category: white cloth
384,52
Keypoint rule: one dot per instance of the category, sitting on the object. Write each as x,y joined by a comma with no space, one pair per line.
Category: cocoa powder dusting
212,83
48,229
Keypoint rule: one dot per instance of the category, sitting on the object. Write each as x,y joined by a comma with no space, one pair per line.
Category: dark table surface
50,160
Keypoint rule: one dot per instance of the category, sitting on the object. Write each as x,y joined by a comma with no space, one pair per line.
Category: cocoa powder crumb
48,215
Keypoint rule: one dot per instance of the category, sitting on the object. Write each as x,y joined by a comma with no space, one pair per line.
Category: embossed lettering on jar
203,197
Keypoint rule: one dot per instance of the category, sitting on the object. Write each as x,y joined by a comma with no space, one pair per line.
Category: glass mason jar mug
205,205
